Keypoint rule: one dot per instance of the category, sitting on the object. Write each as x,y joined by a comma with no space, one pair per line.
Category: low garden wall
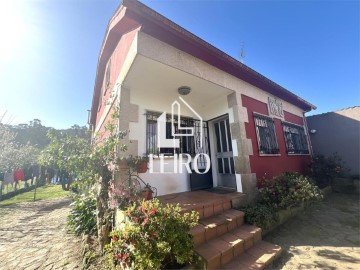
16,192
346,185
280,199
283,216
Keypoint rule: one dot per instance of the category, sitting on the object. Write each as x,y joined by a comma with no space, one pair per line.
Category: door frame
213,149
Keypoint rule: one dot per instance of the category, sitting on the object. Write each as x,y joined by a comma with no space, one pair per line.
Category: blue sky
49,50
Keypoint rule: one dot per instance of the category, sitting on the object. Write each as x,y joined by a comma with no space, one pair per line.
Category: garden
284,196
279,199
124,227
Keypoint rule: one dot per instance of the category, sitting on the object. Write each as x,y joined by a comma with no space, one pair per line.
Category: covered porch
208,107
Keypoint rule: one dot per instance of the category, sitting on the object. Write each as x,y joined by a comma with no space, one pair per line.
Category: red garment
19,175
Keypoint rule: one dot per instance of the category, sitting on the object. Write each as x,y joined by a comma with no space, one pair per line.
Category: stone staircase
223,241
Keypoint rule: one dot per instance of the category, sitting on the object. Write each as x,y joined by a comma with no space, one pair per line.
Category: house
234,123
337,132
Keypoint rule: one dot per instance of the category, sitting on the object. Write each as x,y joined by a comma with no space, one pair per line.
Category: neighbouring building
337,132
250,126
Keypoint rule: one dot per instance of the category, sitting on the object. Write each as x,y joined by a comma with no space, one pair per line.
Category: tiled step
224,248
258,257
251,234
208,208
209,228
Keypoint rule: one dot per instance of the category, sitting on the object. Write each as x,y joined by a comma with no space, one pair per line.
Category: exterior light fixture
184,90
313,131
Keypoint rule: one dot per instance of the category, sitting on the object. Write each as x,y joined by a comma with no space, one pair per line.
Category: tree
14,155
33,133
66,153
89,162
79,131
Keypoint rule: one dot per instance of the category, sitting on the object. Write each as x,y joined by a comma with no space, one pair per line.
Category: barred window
295,139
188,144
266,137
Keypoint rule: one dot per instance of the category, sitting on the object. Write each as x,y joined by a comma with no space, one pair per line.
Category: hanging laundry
28,173
49,174
8,179
19,175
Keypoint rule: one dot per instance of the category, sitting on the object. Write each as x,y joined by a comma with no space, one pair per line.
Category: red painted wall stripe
270,166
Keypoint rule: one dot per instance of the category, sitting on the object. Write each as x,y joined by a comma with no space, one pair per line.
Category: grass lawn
9,188
42,193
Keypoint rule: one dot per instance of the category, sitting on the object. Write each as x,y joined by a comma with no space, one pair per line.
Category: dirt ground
325,236
33,236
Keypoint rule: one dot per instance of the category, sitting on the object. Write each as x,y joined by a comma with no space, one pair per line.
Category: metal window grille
295,139
266,136
188,144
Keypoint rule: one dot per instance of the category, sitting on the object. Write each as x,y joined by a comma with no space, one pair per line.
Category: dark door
202,180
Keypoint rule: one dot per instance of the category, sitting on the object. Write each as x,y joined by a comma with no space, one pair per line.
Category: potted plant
137,163
147,192
122,163
142,166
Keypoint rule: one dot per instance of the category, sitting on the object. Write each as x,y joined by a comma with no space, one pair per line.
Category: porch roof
132,14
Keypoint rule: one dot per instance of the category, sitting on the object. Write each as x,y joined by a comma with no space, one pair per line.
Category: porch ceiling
156,80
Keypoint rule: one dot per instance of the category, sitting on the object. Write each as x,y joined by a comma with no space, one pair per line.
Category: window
107,84
295,139
100,99
188,144
265,131
107,76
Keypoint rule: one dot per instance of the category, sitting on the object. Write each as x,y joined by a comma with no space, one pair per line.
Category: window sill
167,156
299,154
269,155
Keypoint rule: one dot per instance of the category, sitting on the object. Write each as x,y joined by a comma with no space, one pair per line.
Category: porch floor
206,203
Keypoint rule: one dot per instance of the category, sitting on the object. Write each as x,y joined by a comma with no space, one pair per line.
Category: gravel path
33,236
325,236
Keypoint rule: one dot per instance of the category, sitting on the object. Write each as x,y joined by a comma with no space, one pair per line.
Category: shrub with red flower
152,236
288,189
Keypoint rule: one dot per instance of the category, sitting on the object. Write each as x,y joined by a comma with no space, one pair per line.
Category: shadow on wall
335,132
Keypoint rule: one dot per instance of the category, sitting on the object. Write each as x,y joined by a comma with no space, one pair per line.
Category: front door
224,154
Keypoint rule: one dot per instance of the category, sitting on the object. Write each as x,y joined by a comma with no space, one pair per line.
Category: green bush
324,169
288,189
153,236
261,215
82,217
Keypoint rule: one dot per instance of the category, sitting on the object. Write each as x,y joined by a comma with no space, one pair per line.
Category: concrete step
215,226
224,248
257,257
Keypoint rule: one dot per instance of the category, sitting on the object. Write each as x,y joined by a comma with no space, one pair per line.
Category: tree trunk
42,177
62,180
103,212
